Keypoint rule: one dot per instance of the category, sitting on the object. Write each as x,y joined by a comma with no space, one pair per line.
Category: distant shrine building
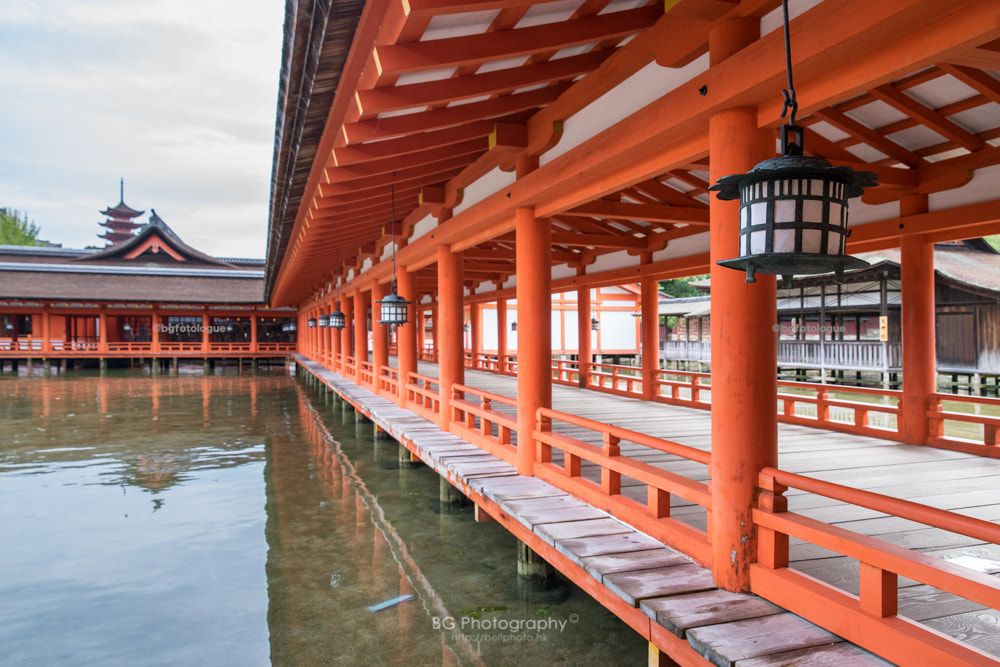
146,295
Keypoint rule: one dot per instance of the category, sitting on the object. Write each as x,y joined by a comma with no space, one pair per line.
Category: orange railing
131,347
869,619
683,388
350,366
840,414
423,396
388,381
974,431
366,374
600,483
481,424
93,348
566,372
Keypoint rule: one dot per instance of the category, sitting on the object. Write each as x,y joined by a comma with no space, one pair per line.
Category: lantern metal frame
793,209
312,322
394,307
595,324
337,319
323,321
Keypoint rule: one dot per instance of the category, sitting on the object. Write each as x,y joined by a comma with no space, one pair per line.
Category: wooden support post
360,331
155,346
449,323
584,330
475,333
533,567
380,335
102,332
206,328
346,342
46,330
918,324
650,336
501,335
534,330
449,497
253,332
744,352
406,334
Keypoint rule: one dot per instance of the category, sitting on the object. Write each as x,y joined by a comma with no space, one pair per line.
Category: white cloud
178,97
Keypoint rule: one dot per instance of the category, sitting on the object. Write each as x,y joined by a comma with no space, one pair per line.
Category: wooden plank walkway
671,595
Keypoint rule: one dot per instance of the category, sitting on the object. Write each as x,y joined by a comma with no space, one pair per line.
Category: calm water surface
247,520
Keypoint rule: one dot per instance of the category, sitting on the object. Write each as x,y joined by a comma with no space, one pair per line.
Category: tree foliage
16,229
681,287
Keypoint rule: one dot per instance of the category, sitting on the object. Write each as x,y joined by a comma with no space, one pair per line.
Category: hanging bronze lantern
793,209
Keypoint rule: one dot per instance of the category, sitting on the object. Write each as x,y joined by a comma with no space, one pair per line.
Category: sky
178,97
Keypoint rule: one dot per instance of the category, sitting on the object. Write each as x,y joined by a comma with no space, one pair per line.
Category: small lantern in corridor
595,324
323,322
394,306
513,326
793,209
312,322
127,327
292,326
337,320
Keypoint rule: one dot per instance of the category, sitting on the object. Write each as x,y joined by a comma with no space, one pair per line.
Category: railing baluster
611,481
878,591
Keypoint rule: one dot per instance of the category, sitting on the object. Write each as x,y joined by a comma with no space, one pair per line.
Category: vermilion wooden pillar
918,320
253,332
335,342
360,330
744,345
206,332
583,326
501,335
448,323
380,333
406,334
102,334
46,330
534,330
475,330
650,336
346,342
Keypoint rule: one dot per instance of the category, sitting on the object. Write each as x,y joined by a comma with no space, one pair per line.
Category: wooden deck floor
678,595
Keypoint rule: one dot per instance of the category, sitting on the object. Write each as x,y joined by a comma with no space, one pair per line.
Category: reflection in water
243,520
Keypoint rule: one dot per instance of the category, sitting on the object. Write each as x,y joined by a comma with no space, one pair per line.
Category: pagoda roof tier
122,210
127,224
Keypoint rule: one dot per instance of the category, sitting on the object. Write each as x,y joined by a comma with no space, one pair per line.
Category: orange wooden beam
440,54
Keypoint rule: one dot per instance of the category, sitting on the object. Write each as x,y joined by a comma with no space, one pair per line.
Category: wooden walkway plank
726,644
681,613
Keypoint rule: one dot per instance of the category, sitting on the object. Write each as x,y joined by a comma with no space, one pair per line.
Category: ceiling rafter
415,123
434,93
928,117
396,59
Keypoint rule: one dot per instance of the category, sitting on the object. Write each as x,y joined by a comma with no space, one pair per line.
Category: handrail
937,417
881,564
652,516
422,397
493,433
